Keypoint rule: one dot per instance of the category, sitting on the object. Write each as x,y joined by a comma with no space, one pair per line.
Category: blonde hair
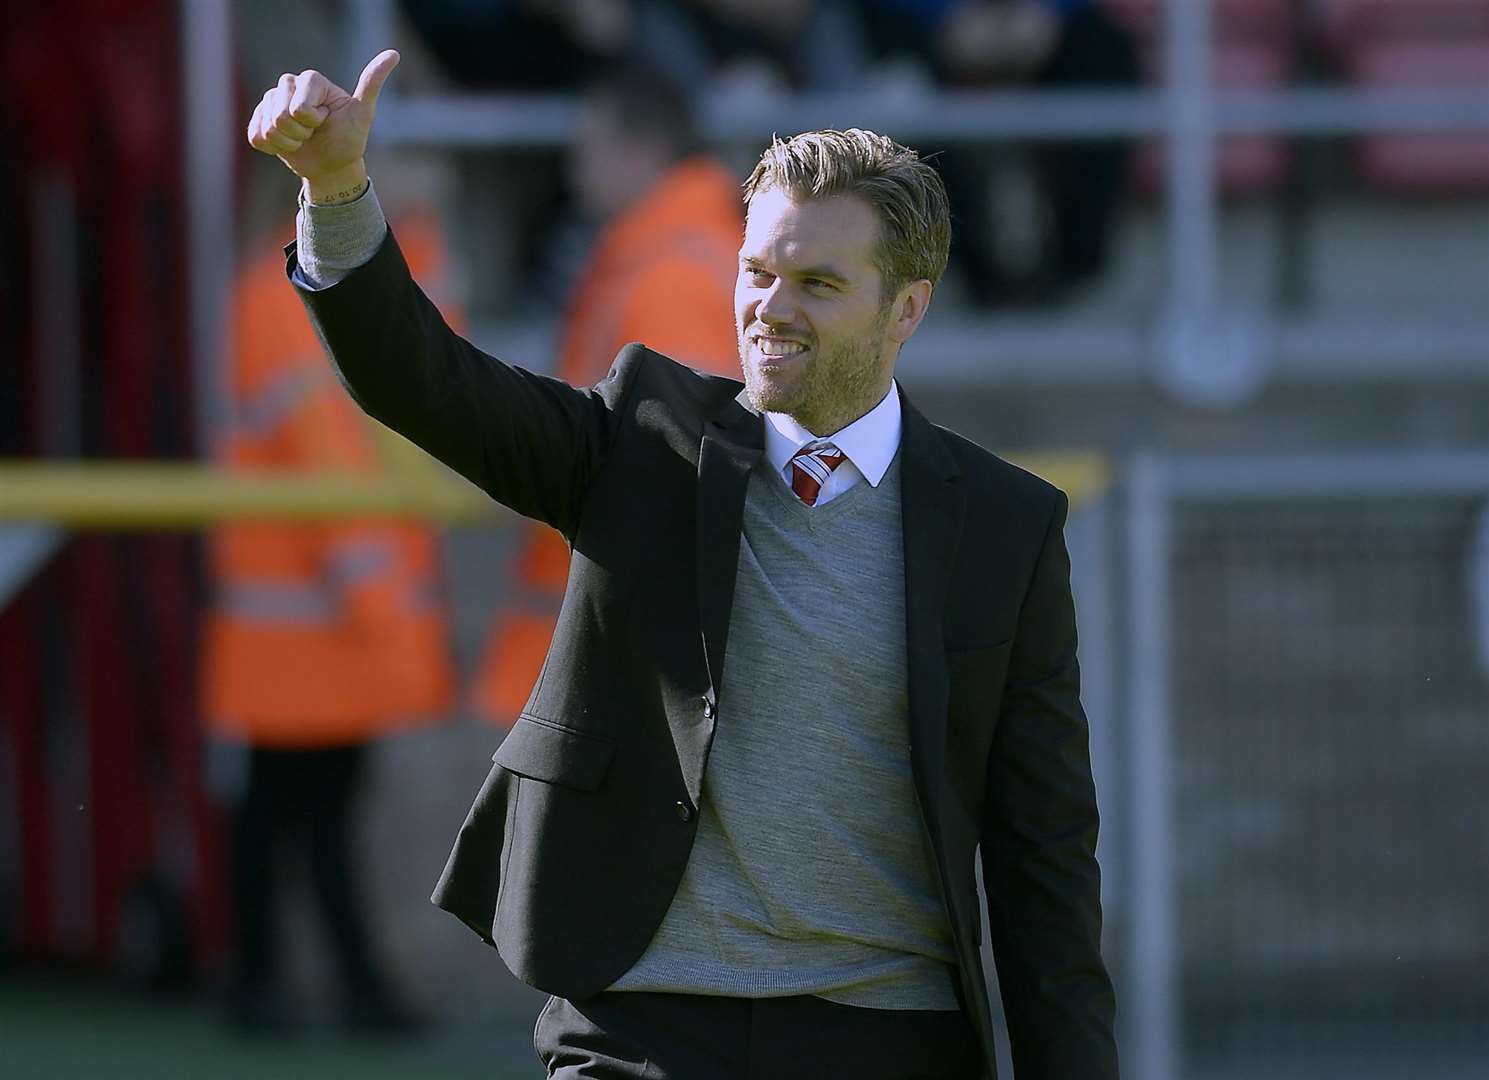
906,194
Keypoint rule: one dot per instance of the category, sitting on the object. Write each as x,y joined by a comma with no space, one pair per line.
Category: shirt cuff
332,241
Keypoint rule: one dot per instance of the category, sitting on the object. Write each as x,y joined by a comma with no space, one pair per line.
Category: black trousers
299,805
631,1035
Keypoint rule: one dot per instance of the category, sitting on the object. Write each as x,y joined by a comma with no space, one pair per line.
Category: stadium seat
1415,43
1252,52
1234,20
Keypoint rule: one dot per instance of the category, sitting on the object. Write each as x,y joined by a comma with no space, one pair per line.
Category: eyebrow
826,273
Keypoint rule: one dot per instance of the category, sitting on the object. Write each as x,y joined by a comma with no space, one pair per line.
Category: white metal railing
527,120
1292,350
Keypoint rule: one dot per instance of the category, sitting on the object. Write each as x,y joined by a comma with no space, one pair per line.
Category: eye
757,276
818,283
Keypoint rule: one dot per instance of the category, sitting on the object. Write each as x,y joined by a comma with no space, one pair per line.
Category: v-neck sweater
809,873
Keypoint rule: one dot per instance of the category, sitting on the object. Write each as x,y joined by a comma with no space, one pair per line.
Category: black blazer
579,836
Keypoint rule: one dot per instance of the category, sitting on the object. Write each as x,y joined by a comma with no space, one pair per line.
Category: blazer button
708,709
684,811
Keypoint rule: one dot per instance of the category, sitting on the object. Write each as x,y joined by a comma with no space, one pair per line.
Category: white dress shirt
869,443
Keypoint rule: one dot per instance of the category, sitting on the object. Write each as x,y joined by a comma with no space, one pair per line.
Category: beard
826,391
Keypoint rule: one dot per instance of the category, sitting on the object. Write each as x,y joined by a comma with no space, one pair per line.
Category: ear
910,305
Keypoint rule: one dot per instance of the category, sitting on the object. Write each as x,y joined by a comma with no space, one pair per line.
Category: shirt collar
869,442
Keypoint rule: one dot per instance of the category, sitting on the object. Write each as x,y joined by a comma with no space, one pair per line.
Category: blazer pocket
541,750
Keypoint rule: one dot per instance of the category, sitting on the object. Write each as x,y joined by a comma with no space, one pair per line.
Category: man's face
814,334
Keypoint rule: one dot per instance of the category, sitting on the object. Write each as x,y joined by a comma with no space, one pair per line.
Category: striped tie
810,468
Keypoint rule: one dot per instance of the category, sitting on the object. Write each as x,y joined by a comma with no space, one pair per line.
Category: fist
314,126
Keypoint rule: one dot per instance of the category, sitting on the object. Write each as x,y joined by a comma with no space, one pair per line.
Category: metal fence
1308,767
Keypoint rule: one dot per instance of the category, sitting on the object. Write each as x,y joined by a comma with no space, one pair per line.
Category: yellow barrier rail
180,495
171,495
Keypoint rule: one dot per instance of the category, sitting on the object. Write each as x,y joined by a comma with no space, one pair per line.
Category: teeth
779,348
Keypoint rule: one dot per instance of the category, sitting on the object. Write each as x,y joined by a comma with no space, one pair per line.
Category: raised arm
529,441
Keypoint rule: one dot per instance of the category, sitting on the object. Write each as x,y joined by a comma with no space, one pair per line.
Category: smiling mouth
774,352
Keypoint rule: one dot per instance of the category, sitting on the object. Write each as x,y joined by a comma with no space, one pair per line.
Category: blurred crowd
787,44
1034,221
757,49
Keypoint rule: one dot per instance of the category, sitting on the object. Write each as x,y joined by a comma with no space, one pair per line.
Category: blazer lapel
933,504
733,440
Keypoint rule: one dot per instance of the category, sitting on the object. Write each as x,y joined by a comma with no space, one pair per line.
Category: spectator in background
1050,44
321,638
511,194
815,45
1084,182
560,44
661,272
524,44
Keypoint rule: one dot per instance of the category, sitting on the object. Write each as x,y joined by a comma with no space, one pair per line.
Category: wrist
342,186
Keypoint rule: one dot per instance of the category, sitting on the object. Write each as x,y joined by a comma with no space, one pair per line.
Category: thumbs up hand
319,130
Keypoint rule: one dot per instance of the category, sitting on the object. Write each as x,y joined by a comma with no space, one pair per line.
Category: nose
774,308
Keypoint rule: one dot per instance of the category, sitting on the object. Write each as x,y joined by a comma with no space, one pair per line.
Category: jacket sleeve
1039,843
529,441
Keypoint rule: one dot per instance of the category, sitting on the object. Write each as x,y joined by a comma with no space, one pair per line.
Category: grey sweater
809,874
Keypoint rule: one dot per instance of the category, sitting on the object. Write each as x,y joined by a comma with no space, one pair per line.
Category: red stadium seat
1415,43
1233,20
1252,52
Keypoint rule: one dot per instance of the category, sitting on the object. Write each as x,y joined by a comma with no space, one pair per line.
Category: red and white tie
810,468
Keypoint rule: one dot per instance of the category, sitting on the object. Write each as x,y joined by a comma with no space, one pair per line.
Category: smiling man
814,654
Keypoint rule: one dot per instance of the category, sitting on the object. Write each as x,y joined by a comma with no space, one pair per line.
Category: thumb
374,75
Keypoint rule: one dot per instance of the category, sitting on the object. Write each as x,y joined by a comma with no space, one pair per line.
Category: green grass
53,1028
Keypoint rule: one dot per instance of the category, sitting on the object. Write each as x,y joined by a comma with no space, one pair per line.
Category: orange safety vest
661,273
319,633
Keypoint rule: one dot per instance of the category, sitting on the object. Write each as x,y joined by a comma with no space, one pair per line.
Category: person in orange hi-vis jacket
321,637
662,272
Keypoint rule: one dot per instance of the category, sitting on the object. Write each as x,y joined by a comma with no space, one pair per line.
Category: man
874,665
671,221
